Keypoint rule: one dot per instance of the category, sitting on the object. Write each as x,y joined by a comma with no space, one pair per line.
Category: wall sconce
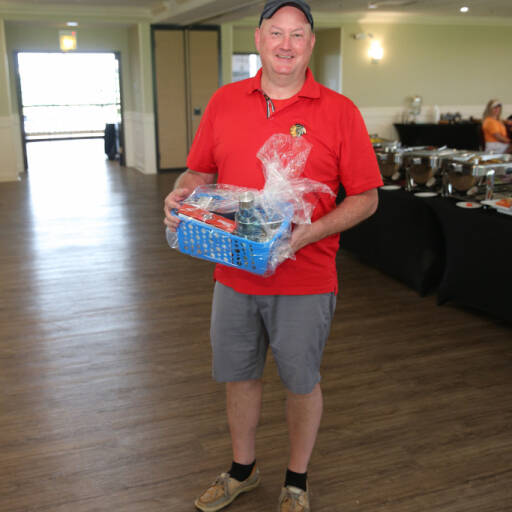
376,51
361,36
67,40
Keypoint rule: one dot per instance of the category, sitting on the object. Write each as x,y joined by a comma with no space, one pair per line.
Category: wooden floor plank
107,401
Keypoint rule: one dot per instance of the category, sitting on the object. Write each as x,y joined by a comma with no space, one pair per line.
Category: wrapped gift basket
251,229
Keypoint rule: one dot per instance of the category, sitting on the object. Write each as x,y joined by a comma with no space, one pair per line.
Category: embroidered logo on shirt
297,130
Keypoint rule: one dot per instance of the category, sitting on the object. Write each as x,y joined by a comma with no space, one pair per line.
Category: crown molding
330,19
11,11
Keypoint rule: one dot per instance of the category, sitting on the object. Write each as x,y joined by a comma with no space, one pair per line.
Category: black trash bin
111,141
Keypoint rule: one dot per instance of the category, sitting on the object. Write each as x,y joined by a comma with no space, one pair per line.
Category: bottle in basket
249,219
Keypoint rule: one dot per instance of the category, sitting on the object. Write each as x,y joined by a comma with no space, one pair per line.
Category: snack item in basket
207,217
254,221
249,222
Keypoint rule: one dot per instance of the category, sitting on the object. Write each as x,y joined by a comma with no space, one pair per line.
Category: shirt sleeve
358,169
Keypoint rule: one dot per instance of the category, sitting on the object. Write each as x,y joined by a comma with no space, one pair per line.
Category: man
291,310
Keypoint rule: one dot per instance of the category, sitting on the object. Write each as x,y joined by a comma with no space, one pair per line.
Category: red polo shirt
233,129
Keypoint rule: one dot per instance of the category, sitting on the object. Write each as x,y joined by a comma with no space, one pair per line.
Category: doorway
186,63
70,96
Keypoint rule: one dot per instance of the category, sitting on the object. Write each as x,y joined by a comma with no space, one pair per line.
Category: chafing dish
476,174
422,166
389,157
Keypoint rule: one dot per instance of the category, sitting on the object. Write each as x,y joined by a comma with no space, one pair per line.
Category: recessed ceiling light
464,9
72,23
372,5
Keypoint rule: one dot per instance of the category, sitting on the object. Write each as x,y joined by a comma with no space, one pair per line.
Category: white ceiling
216,11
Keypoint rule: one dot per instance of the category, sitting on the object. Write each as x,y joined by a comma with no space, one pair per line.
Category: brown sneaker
293,499
224,490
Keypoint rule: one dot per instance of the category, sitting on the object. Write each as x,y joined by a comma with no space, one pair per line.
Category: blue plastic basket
210,243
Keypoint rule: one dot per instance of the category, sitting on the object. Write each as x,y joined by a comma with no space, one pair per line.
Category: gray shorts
295,326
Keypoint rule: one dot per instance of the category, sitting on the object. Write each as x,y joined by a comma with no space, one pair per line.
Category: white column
139,123
11,160
226,46
148,105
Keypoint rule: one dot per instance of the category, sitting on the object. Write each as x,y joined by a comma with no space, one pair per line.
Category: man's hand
302,235
186,183
173,201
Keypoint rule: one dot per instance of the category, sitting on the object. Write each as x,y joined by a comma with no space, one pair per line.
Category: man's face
285,42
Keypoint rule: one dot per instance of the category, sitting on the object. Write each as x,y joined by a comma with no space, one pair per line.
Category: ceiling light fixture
72,23
464,9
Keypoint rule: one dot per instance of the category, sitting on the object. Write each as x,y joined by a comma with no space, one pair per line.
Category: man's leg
303,415
298,327
243,401
239,349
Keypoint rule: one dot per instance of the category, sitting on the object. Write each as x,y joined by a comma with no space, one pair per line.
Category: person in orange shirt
495,131
508,123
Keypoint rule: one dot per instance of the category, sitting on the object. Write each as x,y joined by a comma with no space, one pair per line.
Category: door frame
117,55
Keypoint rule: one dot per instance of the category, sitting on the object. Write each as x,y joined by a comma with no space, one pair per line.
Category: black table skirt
432,244
403,239
478,264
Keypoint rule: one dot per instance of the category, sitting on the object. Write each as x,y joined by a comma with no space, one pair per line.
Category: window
68,94
244,65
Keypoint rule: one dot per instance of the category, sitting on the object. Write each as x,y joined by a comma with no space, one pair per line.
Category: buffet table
431,244
478,263
466,135
403,239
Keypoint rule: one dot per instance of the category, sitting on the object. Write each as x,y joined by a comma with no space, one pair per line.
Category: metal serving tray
478,164
422,166
389,158
469,172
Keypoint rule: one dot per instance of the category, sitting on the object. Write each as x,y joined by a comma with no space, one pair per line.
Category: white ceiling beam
201,11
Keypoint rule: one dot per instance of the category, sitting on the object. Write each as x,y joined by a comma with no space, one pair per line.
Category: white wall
456,67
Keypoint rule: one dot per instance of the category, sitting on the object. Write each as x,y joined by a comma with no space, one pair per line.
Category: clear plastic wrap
284,159
218,198
263,217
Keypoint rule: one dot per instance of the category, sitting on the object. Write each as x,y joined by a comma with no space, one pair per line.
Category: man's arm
183,187
352,211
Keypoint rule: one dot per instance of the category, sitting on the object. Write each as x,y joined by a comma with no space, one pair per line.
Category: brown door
187,74
204,72
171,98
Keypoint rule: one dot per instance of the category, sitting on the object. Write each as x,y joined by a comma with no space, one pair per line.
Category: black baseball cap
272,6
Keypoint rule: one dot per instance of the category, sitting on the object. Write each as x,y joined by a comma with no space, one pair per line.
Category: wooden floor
106,400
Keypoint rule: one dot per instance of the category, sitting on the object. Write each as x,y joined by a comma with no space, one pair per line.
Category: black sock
296,479
240,472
